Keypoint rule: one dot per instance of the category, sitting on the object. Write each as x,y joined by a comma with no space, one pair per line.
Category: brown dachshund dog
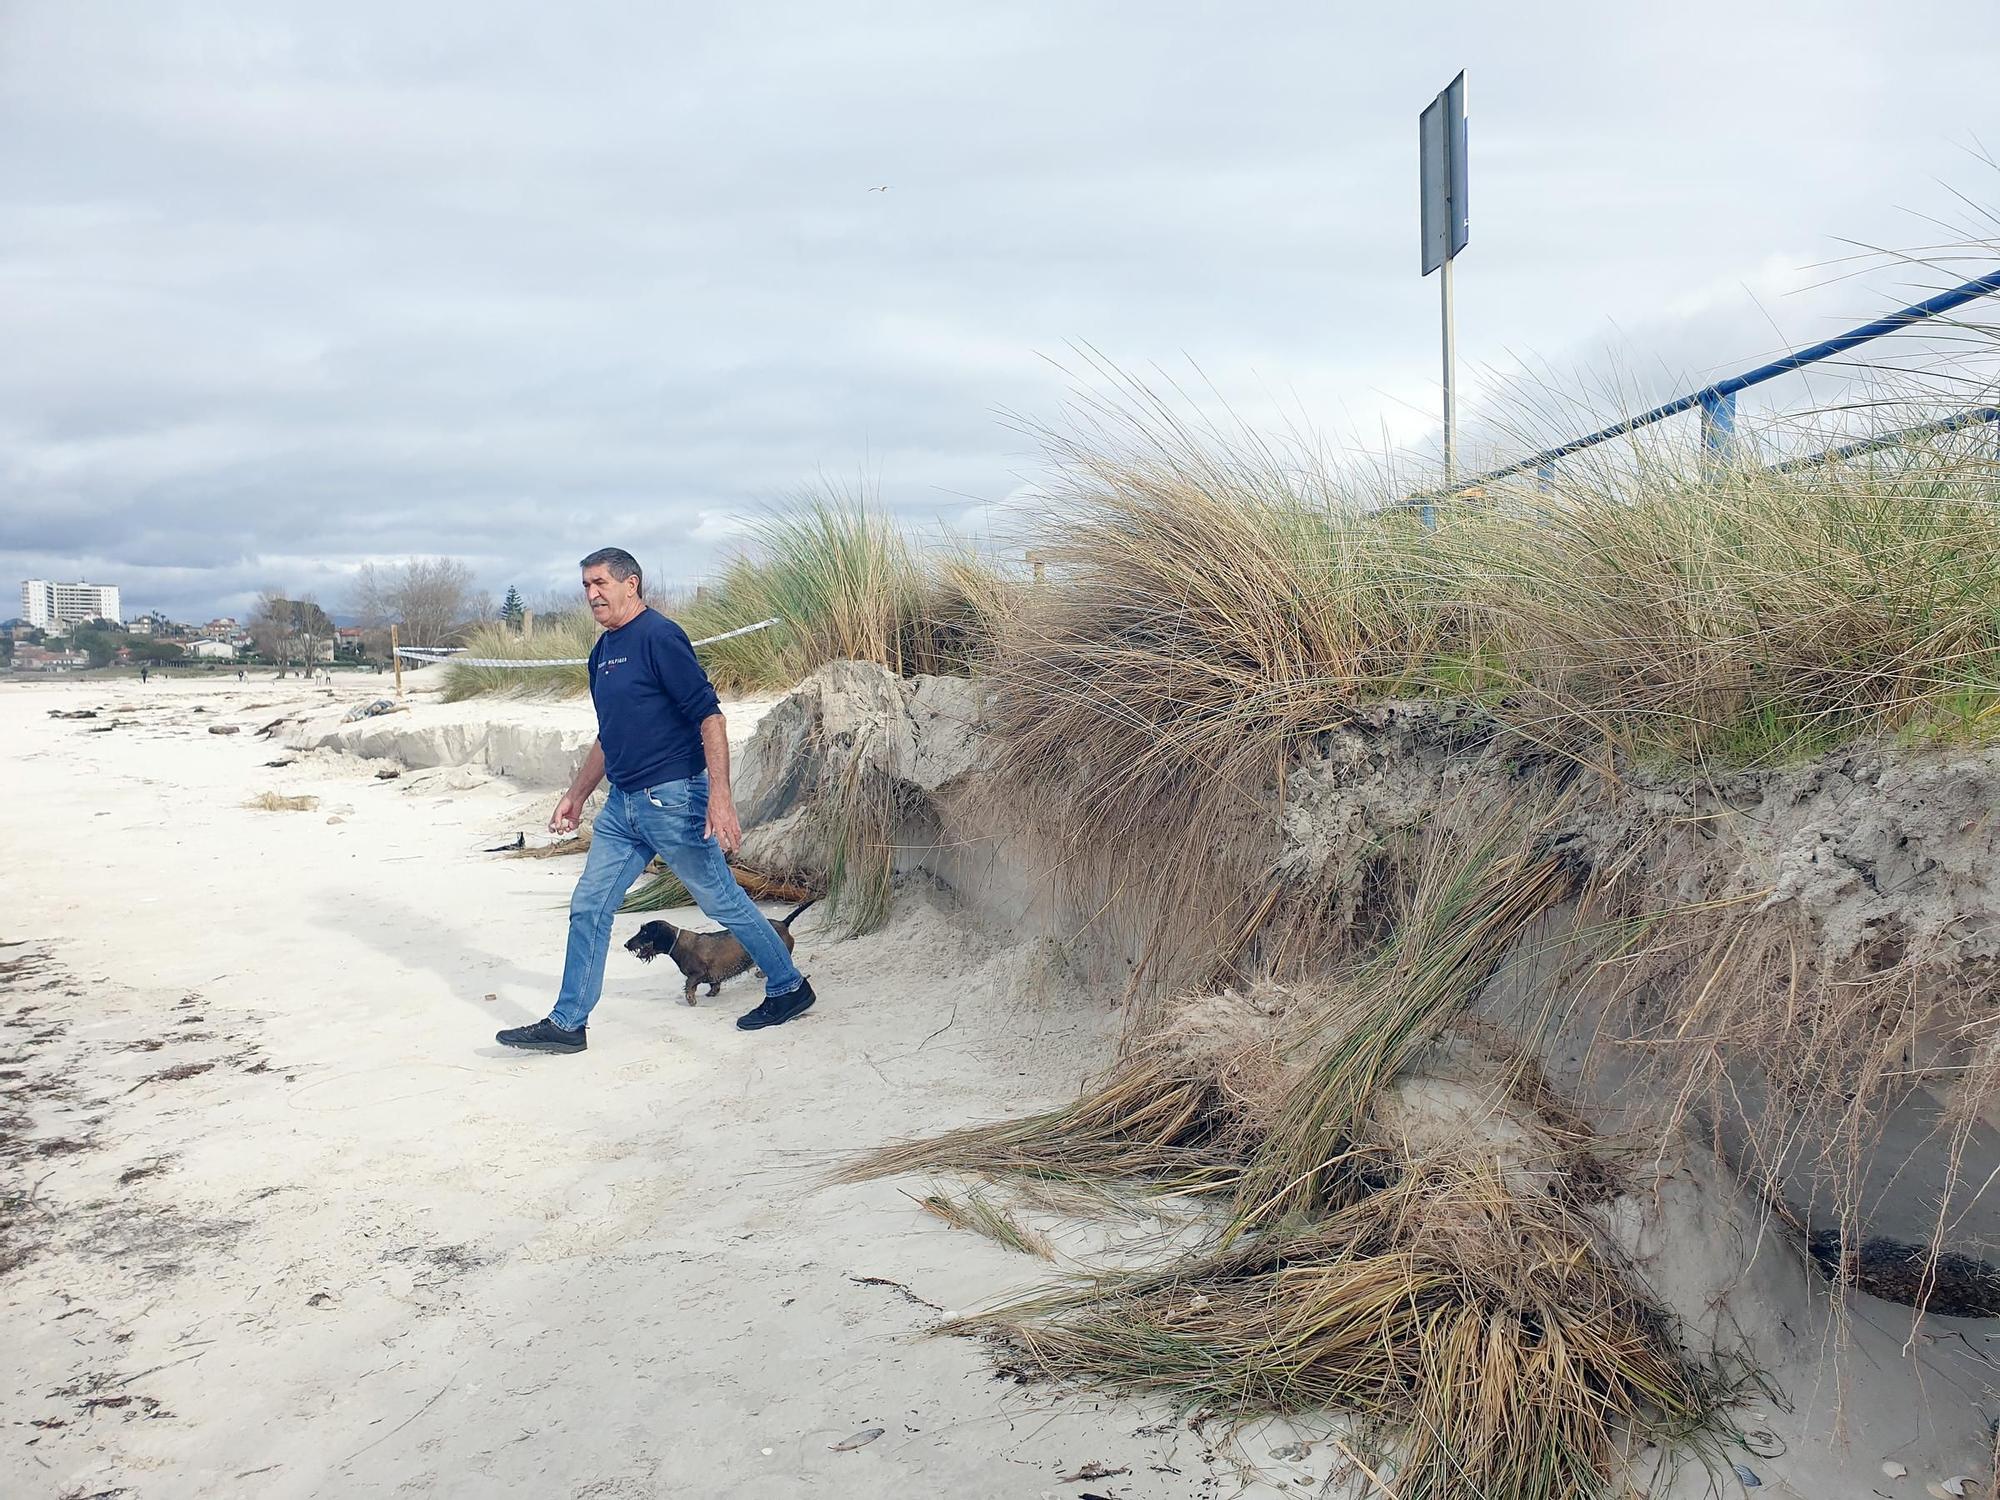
704,957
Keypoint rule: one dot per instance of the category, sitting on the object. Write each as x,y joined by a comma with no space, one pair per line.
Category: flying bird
882,189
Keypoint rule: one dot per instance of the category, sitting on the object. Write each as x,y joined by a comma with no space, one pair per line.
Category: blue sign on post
1446,228
1441,139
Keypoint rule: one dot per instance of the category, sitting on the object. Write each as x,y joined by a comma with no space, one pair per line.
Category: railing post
1718,428
1545,477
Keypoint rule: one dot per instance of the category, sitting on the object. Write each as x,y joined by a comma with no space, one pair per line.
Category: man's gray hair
616,561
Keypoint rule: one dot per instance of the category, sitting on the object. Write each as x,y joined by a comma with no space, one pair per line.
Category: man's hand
568,811
722,825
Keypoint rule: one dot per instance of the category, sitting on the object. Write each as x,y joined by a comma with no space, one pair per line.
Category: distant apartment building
48,605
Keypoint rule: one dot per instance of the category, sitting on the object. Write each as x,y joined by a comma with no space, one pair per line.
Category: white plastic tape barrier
442,653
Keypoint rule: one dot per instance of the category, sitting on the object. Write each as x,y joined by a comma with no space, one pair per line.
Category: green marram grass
842,578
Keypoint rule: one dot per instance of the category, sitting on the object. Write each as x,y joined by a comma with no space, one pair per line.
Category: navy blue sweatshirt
651,696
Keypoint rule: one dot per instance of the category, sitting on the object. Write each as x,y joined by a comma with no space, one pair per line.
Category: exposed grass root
661,889
974,1211
1180,1112
1491,1336
1478,893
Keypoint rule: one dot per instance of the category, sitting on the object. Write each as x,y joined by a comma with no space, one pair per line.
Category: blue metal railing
1717,402
1958,422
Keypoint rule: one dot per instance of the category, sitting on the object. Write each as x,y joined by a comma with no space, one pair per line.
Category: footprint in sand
599,1216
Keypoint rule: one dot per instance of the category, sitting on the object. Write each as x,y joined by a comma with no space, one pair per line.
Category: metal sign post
1446,228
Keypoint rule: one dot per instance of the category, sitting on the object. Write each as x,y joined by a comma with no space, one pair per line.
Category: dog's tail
798,911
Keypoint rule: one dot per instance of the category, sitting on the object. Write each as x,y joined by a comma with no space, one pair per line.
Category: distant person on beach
662,740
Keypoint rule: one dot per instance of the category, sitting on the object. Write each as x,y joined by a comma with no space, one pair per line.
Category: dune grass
1744,618
1211,597
851,584
975,1212
555,636
843,578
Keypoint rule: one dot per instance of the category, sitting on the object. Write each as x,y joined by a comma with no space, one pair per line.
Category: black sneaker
778,1009
543,1036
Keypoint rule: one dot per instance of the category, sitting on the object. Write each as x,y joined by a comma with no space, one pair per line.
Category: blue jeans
667,820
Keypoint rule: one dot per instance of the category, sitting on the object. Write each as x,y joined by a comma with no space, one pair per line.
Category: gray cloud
293,286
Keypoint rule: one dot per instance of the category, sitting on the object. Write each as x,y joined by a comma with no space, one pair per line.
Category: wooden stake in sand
396,656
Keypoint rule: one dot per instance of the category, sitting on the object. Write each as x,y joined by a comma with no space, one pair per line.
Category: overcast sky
292,286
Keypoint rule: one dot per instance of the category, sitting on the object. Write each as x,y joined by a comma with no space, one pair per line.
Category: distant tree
288,632
513,611
433,599
101,644
154,650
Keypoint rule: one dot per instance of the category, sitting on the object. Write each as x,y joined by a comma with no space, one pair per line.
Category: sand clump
278,802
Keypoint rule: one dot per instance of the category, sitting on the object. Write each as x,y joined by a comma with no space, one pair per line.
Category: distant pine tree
512,610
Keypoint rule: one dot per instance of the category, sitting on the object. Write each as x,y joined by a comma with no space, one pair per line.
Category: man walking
662,740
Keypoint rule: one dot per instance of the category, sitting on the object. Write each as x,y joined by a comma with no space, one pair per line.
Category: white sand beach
282,1220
